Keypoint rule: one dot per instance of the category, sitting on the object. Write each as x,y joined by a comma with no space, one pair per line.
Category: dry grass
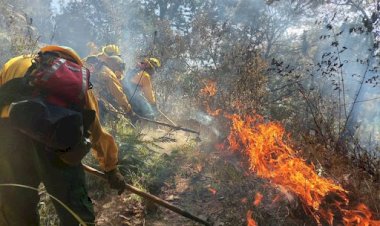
362,186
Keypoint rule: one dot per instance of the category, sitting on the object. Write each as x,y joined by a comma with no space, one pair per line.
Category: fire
209,89
360,216
250,220
271,157
258,199
212,190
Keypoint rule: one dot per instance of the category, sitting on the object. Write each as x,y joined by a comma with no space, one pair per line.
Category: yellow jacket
103,144
142,79
106,82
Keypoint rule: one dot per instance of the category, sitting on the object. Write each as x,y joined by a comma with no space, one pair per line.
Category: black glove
116,180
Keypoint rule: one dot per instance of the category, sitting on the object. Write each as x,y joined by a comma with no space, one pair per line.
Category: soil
190,189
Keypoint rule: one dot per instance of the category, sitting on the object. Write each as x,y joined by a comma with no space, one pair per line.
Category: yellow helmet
111,50
153,62
66,51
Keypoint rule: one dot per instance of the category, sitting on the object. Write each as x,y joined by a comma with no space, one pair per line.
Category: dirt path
181,190
203,184
188,189
192,191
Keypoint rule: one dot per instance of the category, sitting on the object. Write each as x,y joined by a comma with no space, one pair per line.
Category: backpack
59,81
54,113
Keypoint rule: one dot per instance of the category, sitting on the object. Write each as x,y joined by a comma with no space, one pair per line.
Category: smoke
198,40
207,121
356,78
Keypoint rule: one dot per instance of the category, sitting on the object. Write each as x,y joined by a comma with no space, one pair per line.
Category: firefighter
25,160
106,74
138,87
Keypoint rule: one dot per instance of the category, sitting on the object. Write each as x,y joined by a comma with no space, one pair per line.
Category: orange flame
212,190
269,155
209,89
250,220
360,216
258,199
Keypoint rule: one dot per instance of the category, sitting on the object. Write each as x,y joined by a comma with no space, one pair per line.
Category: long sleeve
147,88
14,68
114,86
104,146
